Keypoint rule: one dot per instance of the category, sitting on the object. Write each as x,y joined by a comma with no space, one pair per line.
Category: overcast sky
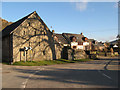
98,20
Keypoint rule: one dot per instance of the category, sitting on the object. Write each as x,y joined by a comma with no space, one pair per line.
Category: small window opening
44,33
29,43
24,32
35,33
29,23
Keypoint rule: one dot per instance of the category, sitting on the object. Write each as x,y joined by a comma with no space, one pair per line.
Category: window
29,43
39,43
44,33
24,33
29,23
74,47
35,33
80,43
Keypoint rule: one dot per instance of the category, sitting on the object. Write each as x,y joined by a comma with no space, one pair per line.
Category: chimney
81,33
53,31
34,12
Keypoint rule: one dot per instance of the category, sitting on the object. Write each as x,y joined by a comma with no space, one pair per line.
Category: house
61,42
115,45
77,41
28,39
94,44
73,43
101,46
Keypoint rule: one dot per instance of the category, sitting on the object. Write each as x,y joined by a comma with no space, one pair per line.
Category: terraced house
30,39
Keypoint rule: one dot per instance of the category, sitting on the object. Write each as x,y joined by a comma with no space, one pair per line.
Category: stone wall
58,51
33,33
76,54
6,48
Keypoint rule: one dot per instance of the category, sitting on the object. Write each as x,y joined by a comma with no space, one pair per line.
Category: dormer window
74,39
80,43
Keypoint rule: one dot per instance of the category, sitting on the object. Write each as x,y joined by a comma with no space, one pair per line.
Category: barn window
44,33
24,32
29,43
29,23
35,33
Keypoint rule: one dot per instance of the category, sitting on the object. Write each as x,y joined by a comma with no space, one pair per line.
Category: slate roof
7,30
61,38
78,37
114,42
91,40
118,36
100,44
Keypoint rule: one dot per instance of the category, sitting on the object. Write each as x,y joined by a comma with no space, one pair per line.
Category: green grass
6,63
48,62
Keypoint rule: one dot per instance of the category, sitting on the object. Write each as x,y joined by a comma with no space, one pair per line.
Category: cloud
116,5
82,6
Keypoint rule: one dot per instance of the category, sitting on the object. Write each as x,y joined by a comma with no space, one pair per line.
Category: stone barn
28,39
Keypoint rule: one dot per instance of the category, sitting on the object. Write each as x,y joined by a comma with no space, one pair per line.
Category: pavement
102,73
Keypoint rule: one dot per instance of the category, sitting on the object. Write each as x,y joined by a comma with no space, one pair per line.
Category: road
101,73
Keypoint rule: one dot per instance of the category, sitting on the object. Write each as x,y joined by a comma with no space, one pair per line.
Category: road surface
101,73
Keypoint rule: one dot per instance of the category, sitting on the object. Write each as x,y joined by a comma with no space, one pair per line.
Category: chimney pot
81,33
53,31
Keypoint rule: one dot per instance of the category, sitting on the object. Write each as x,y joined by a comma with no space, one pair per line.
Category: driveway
101,73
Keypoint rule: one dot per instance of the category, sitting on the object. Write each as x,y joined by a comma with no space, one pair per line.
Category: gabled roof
78,36
6,31
61,38
10,28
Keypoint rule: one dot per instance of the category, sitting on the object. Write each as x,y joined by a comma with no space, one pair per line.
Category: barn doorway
65,52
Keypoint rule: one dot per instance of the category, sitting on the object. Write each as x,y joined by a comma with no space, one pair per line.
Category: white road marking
24,84
105,75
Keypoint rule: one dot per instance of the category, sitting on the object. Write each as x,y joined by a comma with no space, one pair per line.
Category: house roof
78,37
7,30
114,42
91,40
61,38
100,44
118,36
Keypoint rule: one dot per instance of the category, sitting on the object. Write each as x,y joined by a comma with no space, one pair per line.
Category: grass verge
48,62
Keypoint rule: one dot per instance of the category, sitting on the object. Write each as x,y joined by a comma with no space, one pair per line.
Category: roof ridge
71,33
14,25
